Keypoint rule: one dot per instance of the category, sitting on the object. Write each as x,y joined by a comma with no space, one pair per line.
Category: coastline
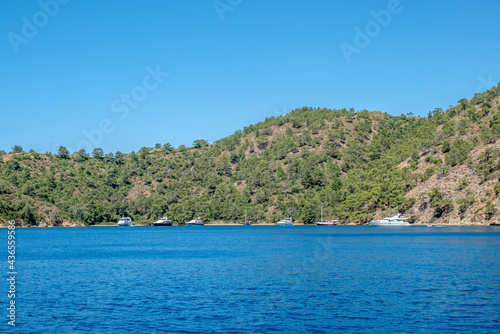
476,224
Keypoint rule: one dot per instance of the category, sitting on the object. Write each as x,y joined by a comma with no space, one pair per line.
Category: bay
258,279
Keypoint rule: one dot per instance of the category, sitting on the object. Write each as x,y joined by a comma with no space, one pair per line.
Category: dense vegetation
353,164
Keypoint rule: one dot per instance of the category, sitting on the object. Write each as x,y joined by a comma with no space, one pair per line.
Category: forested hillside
443,168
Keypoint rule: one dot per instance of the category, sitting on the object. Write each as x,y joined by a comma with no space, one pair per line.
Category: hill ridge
443,168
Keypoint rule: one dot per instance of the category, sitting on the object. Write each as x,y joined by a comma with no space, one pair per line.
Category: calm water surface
244,279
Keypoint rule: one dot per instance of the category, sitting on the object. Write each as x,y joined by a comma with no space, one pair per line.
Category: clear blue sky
261,59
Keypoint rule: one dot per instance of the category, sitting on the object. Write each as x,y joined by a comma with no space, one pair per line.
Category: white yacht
285,222
390,221
196,221
164,221
125,221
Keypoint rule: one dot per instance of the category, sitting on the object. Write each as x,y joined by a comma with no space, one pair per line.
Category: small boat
285,222
326,223
164,221
125,221
390,221
195,222
247,222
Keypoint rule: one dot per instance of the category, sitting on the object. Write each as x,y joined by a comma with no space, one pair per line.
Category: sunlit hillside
443,168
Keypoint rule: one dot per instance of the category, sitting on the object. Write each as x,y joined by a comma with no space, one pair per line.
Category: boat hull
285,222
327,223
379,224
125,222
162,224
394,221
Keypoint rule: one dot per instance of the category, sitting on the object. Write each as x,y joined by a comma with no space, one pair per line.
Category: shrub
495,124
429,172
464,204
489,210
446,147
441,205
462,184
458,152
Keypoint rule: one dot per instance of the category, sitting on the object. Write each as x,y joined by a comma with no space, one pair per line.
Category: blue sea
256,279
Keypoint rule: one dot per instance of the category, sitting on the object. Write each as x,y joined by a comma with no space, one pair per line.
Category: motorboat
164,221
285,222
396,220
195,222
125,221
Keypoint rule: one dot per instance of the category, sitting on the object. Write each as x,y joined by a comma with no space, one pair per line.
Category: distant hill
358,166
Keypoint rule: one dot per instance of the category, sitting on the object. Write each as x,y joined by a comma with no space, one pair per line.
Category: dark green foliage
98,153
487,136
200,143
441,205
57,218
446,147
81,155
495,124
463,104
448,130
63,152
489,210
489,164
462,126
458,152
477,99
433,160
349,163
167,147
429,172
29,214
144,151
407,205
17,149
462,184
464,204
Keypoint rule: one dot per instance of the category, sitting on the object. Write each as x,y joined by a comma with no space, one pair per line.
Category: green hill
358,166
